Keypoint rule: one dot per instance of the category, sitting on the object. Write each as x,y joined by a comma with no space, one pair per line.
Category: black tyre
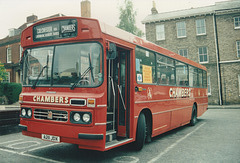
141,132
194,116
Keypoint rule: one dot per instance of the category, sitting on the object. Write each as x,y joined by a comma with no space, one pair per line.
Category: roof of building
25,25
219,6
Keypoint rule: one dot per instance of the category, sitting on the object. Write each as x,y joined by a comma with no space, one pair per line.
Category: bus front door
123,93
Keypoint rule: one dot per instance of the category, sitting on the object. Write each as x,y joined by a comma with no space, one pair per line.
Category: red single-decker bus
99,87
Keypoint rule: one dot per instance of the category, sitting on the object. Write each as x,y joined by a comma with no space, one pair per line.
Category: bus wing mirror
111,51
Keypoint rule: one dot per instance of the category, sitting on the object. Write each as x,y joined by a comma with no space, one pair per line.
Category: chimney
86,9
154,10
32,18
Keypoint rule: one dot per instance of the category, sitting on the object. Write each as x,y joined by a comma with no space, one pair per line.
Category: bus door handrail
121,97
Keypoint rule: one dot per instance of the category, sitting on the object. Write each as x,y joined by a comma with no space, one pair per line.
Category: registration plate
51,138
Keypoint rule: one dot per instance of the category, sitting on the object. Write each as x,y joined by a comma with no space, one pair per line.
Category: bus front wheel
193,120
141,132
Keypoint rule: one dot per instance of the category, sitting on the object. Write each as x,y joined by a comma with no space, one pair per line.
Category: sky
13,13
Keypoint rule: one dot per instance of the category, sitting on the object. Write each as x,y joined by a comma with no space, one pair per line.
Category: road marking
34,143
173,145
29,155
49,145
11,141
40,158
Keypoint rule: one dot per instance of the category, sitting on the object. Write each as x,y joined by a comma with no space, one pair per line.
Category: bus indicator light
91,102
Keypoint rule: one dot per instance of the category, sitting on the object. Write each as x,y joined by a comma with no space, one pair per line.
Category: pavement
15,106
224,106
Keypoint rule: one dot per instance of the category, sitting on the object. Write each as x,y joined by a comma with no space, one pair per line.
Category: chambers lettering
51,99
179,92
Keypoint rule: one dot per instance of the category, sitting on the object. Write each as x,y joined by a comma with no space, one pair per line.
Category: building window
209,85
238,49
237,22
201,27
9,55
160,33
181,29
183,52
8,78
239,84
203,55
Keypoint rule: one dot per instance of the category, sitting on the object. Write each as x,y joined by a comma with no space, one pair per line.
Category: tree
127,19
3,73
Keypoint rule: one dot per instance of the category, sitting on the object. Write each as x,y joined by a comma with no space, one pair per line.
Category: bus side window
182,74
145,66
200,78
193,76
165,70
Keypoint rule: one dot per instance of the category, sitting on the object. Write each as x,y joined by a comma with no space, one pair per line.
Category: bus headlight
24,112
29,112
76,117
79,117
86,117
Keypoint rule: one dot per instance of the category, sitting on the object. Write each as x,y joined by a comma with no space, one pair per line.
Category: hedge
1,89
11,91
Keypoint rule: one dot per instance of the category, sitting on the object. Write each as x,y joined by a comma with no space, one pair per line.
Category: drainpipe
217,58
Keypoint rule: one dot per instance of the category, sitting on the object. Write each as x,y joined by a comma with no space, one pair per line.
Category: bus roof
129,37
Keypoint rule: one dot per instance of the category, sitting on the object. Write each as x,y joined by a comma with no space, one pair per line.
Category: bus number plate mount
51,138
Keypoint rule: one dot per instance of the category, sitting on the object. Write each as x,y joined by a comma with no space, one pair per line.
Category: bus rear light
26,113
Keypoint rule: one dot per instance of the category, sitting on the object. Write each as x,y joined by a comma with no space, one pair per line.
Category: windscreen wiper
35,83
90,68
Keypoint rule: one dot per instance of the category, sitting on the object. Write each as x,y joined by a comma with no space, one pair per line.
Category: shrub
1,89
12,91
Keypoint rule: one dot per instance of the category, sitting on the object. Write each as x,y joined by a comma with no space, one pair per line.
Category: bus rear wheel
193,120
141,132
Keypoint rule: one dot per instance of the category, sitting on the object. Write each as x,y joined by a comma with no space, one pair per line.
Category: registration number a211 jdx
51,138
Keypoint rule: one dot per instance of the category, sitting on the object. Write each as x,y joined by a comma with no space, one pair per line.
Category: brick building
209,35
10,49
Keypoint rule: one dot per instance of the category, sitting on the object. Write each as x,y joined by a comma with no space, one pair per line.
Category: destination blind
55,30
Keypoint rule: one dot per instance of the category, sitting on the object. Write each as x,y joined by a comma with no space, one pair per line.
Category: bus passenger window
182,74
193,76
200,78
165,70
145,66
204,79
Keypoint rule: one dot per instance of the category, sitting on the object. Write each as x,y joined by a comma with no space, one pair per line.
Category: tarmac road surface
215,138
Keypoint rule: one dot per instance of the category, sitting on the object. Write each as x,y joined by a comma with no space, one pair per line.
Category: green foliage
1,89
3,73
127,19
12,91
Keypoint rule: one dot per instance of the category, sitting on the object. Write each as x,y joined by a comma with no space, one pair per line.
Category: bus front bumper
67,134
